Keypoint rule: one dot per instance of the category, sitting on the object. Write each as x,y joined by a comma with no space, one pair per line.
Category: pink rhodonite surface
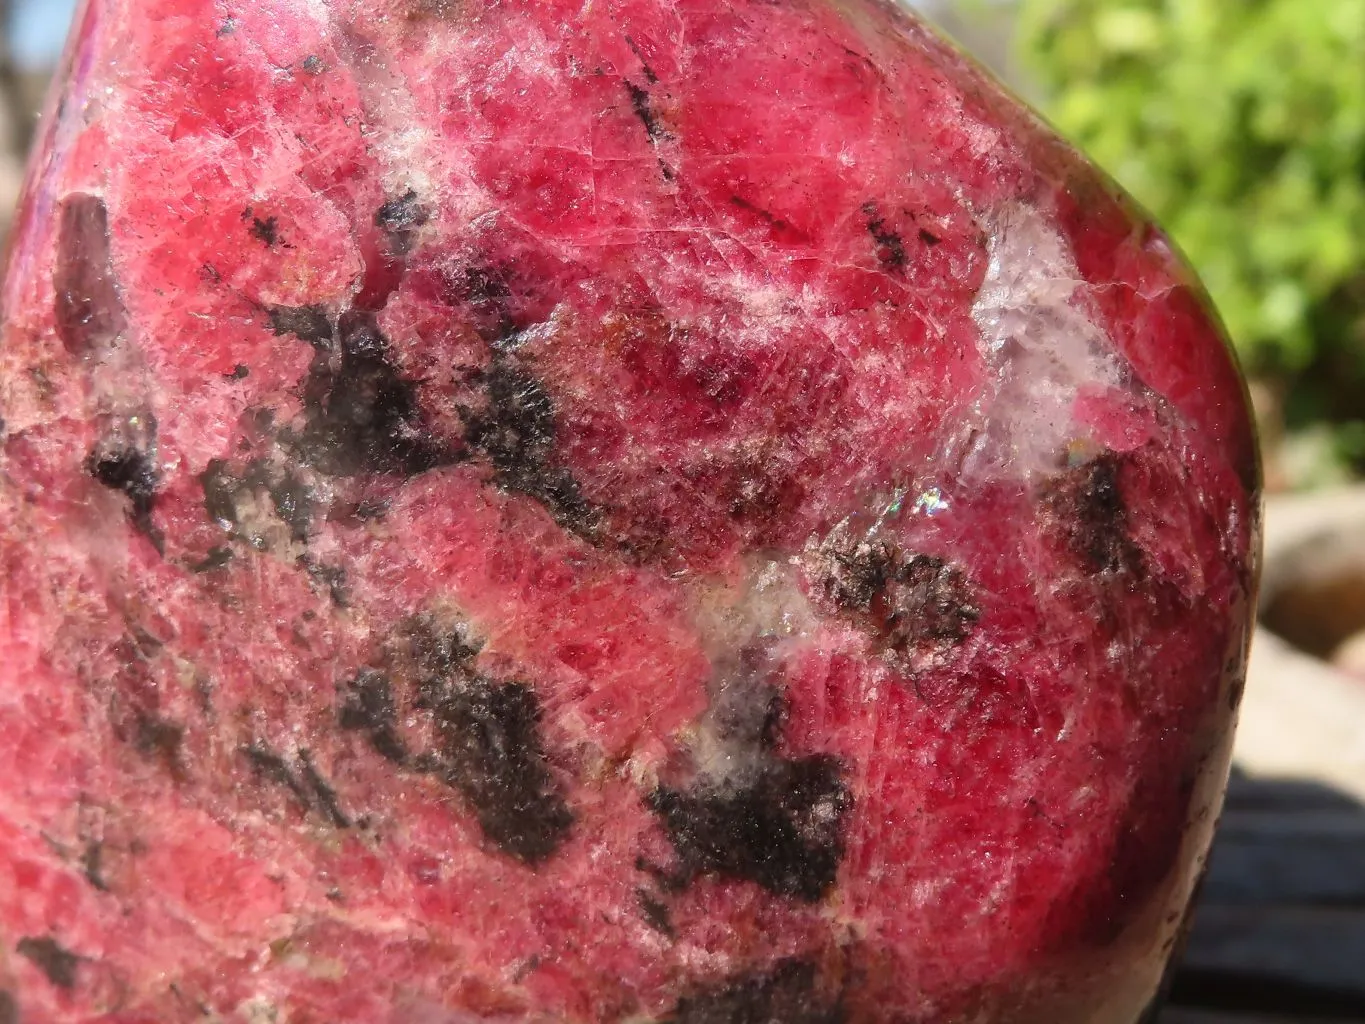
641,510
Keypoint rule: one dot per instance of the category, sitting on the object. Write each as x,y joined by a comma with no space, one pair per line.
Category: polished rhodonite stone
640,510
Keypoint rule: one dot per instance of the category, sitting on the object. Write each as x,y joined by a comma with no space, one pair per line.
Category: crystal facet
615,511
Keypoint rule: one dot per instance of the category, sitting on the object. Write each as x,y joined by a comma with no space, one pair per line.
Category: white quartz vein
1039,342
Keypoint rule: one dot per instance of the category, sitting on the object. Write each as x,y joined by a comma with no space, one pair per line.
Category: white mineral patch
1040,342
767,602
770,608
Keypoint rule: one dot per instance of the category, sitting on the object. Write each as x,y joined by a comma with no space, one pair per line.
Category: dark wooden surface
1279,936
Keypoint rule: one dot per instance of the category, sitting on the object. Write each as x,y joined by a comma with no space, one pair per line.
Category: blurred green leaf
1241,125
1128,30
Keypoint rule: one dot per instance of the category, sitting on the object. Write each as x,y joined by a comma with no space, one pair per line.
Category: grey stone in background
14,127
25,66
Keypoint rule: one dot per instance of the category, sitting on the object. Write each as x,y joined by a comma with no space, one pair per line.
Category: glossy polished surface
694,511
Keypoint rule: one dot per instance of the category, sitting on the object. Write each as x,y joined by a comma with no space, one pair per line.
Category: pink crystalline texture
644,510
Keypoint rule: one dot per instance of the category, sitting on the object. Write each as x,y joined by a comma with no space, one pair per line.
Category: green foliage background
1241,125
